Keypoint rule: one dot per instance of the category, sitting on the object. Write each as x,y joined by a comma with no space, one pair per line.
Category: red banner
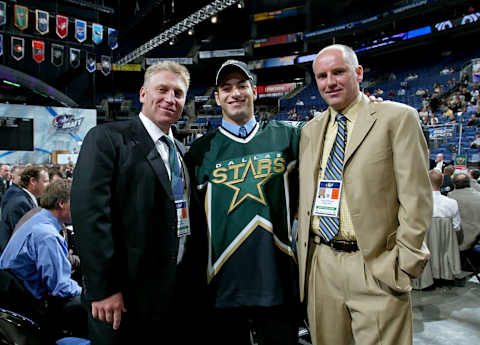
62,26
38,48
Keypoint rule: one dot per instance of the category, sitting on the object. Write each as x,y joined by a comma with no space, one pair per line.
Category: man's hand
109,309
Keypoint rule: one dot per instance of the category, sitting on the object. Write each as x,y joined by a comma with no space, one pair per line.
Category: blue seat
73,341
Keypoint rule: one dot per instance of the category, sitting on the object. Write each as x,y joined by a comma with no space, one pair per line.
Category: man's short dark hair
54,172
461,181
475,174
54,193
28,173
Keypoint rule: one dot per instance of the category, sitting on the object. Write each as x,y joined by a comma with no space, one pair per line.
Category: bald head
436,178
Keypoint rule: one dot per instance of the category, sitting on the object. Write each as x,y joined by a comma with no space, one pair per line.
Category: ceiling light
214,20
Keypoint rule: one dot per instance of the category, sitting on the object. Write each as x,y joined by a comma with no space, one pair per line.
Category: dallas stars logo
245,184
247,175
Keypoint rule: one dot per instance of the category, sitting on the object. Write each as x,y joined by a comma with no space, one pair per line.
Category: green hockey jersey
250,190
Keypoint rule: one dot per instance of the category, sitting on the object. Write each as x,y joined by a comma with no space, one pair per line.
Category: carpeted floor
447,314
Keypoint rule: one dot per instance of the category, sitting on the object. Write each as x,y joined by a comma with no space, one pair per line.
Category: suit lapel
314,149
363,124
147,147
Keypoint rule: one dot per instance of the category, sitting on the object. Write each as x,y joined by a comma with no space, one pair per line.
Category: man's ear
216,98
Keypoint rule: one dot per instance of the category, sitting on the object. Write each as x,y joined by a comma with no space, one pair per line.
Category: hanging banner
62,26
42,21
3,12
106,64
21,17
1,44
38,50
74,57
57,55
17,47
112,38
91,63
80,30
97,33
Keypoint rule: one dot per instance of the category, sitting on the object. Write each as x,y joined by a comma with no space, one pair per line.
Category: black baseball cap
232,65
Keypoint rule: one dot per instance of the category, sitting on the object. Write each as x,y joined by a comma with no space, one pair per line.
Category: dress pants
277,325
347,305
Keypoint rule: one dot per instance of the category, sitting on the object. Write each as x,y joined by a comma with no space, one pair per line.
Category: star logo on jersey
248,186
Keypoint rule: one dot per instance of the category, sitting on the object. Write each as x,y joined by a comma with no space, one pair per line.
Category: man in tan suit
357,283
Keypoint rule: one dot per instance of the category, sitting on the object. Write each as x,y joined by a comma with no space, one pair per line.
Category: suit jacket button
308,213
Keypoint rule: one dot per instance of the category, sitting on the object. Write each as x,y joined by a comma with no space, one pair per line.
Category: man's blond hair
171,66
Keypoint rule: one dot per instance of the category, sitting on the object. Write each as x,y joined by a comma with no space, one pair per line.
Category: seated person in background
420,92
447,185
474,175
472,107
433,120
33,181
474,120
37,255
401,92
442,205
445,71
476,142
391,93
468,200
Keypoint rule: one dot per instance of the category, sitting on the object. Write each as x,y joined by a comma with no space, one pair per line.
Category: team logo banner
112,38
3,12
57,55
17,46
38,50
62,26
97,33
91,63
80,30
106,64
21,17
74,57
42,21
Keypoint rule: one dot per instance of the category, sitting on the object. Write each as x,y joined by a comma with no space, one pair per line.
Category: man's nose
170,96
331,79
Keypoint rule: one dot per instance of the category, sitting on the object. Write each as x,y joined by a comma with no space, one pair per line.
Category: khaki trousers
347,305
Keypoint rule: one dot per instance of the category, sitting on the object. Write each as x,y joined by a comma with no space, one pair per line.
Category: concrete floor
447,314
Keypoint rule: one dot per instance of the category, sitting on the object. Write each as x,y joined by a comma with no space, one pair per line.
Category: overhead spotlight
214,19
172,42
241,4
191,32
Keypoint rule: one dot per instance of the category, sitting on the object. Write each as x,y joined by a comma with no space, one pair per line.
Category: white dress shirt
446,207
156,134
33,197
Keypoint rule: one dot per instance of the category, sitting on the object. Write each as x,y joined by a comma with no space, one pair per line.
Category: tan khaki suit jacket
387,187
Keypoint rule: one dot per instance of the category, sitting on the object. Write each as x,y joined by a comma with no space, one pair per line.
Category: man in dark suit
20,199
439,162
130,208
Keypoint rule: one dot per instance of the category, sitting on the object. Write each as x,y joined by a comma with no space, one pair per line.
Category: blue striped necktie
175,169
329,226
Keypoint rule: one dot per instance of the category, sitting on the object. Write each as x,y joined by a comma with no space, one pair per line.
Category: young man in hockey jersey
246,171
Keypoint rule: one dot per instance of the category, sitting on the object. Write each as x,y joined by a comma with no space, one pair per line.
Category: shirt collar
153,130
350,112
234,128
52,218
435,192
33,197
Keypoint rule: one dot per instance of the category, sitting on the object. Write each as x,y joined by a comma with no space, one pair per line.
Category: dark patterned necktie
175,169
